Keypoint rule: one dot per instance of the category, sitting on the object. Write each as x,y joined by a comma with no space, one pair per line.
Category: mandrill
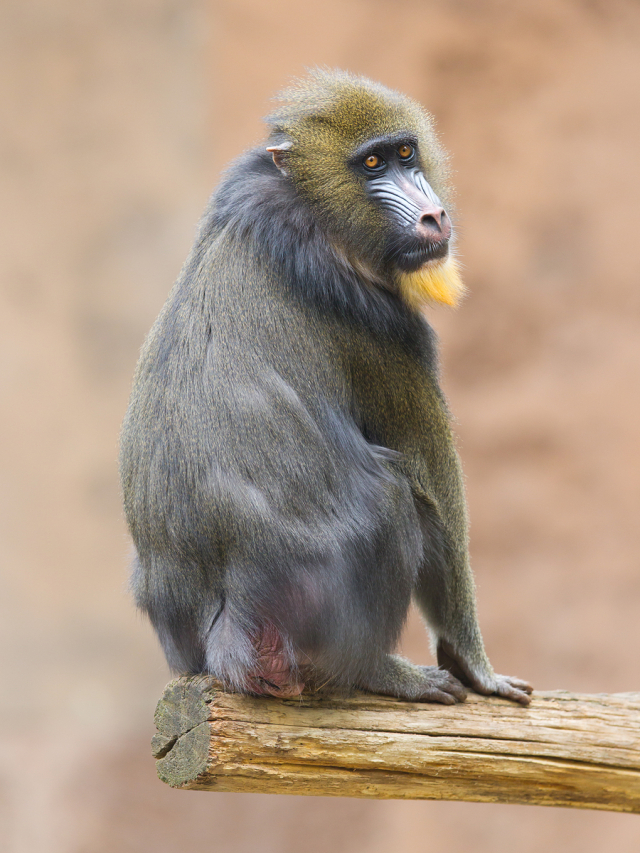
289,474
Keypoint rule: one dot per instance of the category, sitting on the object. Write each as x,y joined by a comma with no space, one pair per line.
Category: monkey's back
244,470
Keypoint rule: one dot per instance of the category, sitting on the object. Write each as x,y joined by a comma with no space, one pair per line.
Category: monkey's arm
411,418
445,589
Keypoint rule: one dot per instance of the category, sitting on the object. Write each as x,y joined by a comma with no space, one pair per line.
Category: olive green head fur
324,118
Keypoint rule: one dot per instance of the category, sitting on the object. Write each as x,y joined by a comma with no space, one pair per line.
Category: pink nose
434,223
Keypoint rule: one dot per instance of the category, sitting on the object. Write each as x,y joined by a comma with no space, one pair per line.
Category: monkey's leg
396,676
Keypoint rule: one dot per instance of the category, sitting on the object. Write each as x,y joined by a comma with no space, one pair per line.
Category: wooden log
565,749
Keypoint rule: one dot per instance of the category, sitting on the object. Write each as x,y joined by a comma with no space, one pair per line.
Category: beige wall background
116,118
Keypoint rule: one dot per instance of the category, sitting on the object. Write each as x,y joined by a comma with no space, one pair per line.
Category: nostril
434,219
434,226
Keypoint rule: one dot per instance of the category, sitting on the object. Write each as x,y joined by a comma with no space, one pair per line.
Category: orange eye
405,151
373,161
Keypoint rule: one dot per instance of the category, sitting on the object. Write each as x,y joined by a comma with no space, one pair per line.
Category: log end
181,744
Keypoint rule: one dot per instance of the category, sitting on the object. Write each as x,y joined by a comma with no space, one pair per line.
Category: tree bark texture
565,749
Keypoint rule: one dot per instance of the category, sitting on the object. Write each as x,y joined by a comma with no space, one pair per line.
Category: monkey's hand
505,686
483,680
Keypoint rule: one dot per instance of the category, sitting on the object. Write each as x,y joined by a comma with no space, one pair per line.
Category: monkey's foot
485,682
441,686
273,673
405,680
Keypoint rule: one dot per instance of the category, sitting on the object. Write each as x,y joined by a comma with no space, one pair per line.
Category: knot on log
565,749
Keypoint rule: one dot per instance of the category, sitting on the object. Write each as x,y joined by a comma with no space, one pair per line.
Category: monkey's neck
362,270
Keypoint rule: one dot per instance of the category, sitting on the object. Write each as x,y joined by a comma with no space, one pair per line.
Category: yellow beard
434,282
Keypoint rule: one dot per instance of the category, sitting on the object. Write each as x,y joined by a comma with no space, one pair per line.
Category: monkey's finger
506,687
435,695
521,685
457,690
518,683
518,696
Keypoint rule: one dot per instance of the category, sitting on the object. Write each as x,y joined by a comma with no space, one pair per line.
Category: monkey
290,477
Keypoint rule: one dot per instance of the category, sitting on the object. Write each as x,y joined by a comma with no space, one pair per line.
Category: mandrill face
418,245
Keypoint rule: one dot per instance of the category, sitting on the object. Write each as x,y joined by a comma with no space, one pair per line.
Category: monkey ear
279,154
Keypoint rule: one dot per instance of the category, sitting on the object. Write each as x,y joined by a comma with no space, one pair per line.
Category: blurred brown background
117,116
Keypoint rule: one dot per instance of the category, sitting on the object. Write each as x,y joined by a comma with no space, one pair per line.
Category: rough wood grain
565,749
